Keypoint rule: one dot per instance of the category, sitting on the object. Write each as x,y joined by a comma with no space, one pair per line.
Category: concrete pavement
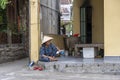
18,70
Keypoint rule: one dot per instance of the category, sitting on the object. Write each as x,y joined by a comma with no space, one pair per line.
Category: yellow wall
97,19
76,16
112,27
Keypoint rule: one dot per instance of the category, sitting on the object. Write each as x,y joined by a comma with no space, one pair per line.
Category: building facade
104,23
66,8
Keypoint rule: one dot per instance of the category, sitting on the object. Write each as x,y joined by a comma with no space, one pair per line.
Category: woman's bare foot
55,59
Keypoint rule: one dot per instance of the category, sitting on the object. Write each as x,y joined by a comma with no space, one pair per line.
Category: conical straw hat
46,38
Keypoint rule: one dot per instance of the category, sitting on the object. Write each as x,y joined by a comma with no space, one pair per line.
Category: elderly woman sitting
48,50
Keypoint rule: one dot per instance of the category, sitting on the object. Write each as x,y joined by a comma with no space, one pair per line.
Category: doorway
86,22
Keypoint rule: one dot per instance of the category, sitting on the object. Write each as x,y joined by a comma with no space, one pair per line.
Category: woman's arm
42,52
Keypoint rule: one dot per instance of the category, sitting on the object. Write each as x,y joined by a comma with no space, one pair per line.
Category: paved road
18,70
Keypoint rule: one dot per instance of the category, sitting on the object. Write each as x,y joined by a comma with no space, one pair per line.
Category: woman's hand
52,58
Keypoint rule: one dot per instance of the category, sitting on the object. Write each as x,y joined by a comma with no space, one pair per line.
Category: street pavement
18,70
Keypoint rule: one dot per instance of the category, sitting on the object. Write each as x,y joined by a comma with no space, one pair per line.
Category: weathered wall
18,14
3,38
11,53
49,16
112,27
24,22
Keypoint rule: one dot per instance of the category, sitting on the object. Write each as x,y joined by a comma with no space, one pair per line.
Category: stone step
83,66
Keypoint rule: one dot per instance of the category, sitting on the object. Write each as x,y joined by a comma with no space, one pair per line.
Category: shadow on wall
58,40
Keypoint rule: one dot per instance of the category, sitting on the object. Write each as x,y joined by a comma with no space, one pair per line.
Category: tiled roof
64,10
65,1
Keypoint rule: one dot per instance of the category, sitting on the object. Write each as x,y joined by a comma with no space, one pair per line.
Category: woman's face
48,43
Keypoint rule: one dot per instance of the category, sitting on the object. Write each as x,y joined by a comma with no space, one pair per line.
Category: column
34,32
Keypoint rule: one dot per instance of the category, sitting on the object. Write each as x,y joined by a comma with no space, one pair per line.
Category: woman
48,50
